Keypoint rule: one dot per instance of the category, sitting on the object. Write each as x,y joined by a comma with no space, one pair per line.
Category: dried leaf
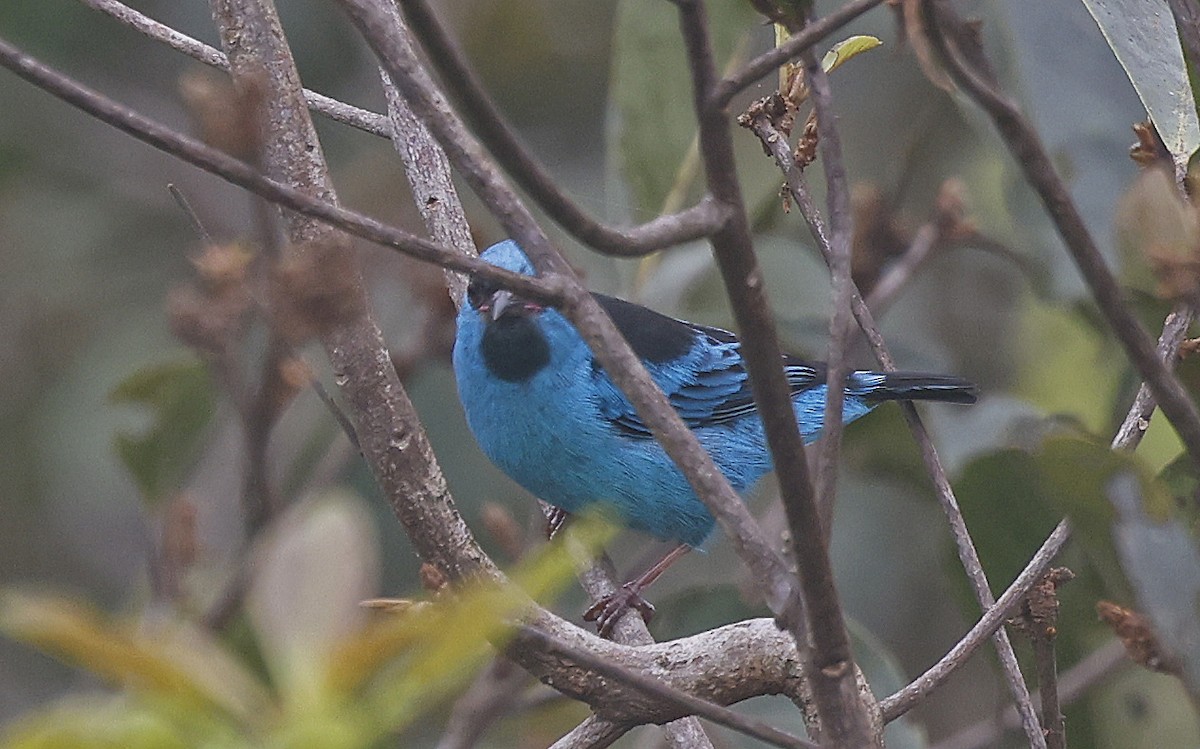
1136,633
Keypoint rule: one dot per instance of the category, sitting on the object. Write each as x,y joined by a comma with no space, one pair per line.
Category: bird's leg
556,518
608,610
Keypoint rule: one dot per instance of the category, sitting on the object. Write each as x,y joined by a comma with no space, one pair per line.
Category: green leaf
650,95
149,663
180,397
1142,35
1066,366
430,650
846,49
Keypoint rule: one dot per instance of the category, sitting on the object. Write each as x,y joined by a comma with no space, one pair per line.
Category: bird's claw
555,520
608,610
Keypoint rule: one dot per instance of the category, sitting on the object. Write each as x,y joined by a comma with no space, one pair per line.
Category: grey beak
500,302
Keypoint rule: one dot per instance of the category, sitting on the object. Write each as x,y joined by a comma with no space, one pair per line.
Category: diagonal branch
768,62
369,122
503,144
958,46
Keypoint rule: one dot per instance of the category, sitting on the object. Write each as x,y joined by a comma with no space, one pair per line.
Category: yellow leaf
847,48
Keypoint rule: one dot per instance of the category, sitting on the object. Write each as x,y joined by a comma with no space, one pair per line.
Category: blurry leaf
1158,235
217,670
846,49
1066,366
416,658
312,568
1138,709
651,93
79,635
180,398
1143,37
92,723
1163,565
1076,473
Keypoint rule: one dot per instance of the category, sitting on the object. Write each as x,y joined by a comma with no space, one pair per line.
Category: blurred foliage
92,243
180,397
336,675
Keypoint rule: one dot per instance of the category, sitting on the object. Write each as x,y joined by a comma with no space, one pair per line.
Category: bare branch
1073,684
844,718
369,122
592,733
642,682
957,44
991,621
840,231
777,146
504,145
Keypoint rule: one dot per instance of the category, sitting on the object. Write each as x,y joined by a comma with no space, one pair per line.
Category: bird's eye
479,292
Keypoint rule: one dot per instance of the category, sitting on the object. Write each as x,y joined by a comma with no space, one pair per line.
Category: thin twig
768,62
503,144
956,43
777,146
686,703
1072,685
844,718
907,698
361,119
840,232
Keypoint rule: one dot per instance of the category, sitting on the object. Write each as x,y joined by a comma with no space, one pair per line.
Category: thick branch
844,719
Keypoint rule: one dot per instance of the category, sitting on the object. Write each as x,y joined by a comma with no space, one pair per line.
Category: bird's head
513,335
490,301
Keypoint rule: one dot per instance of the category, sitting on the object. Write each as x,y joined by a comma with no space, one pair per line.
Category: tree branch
957,44
778,147
844,718
685,703
1073,684
361,119
838,199
991,621
504,145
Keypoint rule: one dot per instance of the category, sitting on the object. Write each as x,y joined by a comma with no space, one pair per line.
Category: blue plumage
545,412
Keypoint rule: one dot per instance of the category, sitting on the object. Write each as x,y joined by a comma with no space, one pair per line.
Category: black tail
911,386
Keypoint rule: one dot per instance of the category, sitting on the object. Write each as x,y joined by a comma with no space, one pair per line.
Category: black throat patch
514,349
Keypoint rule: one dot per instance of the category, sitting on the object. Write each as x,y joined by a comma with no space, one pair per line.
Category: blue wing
700,369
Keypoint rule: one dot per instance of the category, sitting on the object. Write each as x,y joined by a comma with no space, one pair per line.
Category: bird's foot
608,610
555,520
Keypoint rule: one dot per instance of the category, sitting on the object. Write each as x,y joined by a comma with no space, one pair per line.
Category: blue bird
546,413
